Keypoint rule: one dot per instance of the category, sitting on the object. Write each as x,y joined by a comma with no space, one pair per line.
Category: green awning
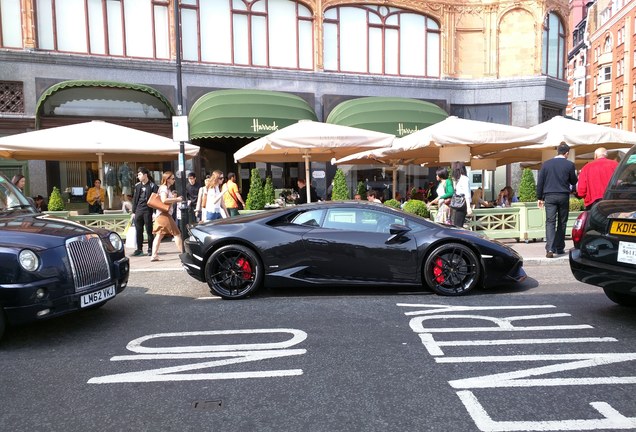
245,113
103,99
397,116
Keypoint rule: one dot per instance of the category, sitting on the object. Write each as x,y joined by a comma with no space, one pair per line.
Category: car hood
38,231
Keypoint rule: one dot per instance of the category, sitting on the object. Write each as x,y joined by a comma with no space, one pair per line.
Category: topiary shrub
361,189
576,204
56,203
393,203
340,191
268,191
256,196
416,207
527,186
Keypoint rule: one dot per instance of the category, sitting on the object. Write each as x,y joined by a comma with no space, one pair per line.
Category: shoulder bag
458,202
155,202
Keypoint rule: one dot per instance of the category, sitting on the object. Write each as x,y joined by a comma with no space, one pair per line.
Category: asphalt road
548,354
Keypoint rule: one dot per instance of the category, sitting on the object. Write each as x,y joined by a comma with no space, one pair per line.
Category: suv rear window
623,182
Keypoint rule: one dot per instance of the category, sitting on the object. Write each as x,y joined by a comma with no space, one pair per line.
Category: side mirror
397,231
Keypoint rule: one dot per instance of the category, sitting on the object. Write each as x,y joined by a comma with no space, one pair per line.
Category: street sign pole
184,203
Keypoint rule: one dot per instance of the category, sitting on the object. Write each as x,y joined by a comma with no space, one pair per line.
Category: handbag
457,202
155,202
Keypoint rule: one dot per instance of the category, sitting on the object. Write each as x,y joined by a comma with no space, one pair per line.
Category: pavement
533,253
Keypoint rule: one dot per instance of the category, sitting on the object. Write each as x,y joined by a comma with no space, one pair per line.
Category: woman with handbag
444,193
461,197
164,223
214,202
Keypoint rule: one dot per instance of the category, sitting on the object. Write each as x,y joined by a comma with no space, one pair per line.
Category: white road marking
224,355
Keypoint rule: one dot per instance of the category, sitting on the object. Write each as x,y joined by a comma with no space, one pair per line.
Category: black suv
604,252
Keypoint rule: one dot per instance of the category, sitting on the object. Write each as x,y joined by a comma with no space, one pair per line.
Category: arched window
607,47
267,33
553,59
381,40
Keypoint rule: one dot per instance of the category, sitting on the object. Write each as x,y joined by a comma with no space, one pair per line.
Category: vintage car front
49,266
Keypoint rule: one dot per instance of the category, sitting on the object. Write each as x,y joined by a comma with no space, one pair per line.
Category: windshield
11,199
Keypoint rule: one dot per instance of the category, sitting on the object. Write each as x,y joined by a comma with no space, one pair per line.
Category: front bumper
58,300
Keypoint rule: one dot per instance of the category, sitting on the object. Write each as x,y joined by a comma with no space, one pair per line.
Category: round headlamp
28,260
115,241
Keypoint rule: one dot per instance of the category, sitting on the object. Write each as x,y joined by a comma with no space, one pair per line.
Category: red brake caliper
437,271
244,265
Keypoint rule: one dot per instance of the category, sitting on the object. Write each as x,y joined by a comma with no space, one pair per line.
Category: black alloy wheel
452,269
233,272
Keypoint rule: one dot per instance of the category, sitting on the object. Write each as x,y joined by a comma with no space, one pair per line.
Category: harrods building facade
248,66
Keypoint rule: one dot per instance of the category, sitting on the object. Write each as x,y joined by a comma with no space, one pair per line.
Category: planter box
531,221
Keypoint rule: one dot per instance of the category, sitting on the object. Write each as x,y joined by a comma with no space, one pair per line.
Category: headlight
115,241
28,260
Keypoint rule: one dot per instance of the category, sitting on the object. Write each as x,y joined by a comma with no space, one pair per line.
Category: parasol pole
395,171
307,156
100,167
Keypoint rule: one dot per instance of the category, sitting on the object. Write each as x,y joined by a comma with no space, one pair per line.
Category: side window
309,218
362,220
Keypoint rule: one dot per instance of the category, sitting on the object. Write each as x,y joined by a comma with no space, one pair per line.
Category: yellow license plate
623,228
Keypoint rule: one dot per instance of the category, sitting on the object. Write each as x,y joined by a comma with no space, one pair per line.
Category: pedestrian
19,181
233,196
461,186
444,193
40,204
556,180
594,178
372,196
95,197
214,202
192,195
164,223
141,213
202,197
302,192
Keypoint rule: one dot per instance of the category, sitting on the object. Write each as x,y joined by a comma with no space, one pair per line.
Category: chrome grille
88,260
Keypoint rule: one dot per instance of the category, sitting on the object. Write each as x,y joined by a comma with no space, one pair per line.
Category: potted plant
340,191
531,217
268,191
256,195
393,203
417,207
361,189
56,205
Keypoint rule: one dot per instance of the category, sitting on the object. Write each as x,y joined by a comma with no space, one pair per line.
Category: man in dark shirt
141,213
557,179
302,192
192,194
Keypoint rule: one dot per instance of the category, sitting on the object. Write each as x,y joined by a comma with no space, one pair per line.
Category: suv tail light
579,228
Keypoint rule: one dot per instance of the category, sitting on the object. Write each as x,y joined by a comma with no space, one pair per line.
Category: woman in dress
95,197
214,203
163,223
462,187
